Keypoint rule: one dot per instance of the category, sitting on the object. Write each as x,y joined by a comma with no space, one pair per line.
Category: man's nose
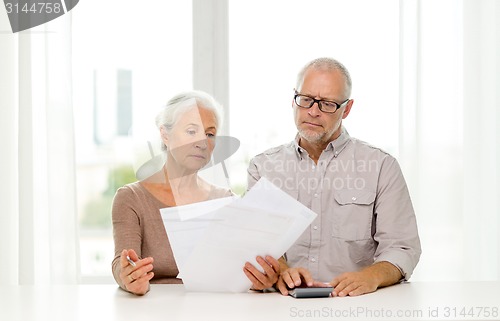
314,110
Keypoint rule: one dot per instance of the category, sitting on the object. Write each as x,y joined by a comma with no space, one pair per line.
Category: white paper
211,248
265,195
186,227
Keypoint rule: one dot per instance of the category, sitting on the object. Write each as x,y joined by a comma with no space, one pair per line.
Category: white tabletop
409,301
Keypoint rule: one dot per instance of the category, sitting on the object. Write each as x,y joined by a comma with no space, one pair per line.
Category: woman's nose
203,144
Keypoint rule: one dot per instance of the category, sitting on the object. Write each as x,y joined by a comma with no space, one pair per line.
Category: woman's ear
164,135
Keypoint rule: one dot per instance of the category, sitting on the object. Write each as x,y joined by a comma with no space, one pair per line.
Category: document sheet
212,240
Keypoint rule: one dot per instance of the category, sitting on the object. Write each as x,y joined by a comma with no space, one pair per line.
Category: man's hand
293,277
261,281
353,283
367,280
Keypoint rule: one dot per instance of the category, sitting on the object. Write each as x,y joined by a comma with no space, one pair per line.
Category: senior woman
188,126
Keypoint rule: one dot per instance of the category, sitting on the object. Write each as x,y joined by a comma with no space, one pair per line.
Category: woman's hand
136,278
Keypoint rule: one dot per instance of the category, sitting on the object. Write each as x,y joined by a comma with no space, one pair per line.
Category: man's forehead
326,81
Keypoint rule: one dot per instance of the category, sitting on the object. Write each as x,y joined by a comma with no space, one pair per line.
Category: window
270,41
128,61
416,66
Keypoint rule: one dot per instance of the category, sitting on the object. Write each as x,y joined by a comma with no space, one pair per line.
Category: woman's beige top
137,225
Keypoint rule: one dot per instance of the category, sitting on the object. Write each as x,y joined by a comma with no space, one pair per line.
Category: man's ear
347,108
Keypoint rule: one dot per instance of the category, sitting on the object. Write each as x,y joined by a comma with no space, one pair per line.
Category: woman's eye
210,135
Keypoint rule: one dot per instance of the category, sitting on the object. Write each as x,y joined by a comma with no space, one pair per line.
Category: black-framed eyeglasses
326,106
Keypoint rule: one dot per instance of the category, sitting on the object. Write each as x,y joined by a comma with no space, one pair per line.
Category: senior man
365,235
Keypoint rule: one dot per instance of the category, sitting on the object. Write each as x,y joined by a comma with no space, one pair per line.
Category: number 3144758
38,7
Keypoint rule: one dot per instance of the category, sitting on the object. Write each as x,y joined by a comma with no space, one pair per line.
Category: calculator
311,292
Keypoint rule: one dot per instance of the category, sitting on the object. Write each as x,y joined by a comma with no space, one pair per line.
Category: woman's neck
175,190
187,188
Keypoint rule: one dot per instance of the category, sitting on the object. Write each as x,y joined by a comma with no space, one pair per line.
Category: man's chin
311,136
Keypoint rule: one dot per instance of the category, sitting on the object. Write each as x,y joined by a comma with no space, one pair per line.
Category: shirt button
313,260
353,198
316,195
313,167
315,227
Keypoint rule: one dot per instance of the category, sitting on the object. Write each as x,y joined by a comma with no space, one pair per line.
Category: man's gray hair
325,63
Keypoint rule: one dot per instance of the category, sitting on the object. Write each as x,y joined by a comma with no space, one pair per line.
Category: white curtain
449,137
481,103
38,223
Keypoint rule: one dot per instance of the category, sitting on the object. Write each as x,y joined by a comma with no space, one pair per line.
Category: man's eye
191,132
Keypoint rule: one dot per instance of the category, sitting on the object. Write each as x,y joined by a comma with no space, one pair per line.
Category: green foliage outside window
97,213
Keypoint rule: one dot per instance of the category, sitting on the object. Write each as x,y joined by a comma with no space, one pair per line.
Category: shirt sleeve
126,228
396,227
253,172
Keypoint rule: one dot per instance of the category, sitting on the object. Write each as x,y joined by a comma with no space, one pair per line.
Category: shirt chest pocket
352,215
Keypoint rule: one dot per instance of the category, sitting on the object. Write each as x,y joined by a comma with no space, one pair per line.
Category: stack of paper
212,240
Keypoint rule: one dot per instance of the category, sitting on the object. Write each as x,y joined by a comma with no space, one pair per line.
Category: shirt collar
340,143
299,150
336,145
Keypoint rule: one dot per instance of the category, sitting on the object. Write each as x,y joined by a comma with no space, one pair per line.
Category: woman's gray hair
176,107
179,104
326,63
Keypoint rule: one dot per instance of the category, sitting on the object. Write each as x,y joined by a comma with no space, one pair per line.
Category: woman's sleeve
126,227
